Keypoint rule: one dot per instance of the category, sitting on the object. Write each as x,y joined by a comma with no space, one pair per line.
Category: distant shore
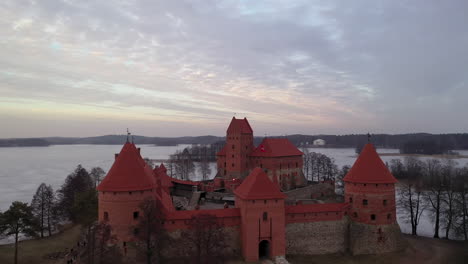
439,156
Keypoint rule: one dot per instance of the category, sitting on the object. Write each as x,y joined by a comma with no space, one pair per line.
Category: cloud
313,67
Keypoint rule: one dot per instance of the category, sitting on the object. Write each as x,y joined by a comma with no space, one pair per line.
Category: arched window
364,202
136,214
350,199
233,146
355,215
106,216
385,202
372,217
265,216
389,216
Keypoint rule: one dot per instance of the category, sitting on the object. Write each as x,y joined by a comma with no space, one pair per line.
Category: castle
261,224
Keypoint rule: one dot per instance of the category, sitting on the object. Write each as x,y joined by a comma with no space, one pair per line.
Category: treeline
24,142
440,187
448,141
182,163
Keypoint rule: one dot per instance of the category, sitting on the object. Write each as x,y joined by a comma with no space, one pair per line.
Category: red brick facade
260,217
279,158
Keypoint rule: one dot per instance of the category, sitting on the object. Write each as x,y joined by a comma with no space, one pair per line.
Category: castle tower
128,183
262,209
370,190
233,160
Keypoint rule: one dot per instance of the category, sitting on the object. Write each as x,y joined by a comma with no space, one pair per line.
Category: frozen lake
22,169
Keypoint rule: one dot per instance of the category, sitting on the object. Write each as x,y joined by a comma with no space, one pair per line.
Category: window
372,217
106,216
350,199
355,215
376,185
385,202
130,193
265,216
365,184
136,231
233,155
135,215
224,172
364,202
233,146
233,164
264,201
389,216
224,164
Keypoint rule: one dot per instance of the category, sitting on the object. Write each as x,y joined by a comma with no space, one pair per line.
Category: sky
175,68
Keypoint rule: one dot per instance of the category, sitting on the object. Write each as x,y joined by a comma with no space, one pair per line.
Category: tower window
233,164
355,215
106,216
136,231
265,216
389,216
136,214
372,217
233,155
385,202
233,146
264,201
350,199
297,165
364,202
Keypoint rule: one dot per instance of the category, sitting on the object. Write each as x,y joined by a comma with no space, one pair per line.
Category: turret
233,160
370,191
261,204
128,183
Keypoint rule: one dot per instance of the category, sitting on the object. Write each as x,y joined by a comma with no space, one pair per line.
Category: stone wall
311,191
317,237
375,239
181,247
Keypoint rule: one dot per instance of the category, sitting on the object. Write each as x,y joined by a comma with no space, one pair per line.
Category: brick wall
311,191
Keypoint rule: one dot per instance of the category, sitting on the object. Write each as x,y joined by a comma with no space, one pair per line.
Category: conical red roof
369,168
258,186
276,147
128,173
239,126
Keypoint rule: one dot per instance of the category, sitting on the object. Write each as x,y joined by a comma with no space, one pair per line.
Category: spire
369,168
368,137
258,186
128,135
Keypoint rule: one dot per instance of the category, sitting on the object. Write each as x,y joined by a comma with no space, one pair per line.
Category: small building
319,142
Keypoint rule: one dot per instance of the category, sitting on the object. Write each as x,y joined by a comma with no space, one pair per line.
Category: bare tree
339,183
207,239
150,231
461,202
204,163
448,197
435,186
97,174
411,200
184,166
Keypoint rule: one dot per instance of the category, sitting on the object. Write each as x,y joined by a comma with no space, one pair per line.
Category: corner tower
261,205
370,190
233,159
129,182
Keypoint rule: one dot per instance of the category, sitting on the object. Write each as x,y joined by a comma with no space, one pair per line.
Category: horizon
79,69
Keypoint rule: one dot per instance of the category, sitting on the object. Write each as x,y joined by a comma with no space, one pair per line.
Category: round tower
370,191
127,184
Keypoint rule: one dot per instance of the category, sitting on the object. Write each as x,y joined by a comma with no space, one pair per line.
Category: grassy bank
37,250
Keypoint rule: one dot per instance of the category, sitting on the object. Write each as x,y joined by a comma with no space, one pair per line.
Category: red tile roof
276,147
369,168
239,126
258,186
222,152
128,173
